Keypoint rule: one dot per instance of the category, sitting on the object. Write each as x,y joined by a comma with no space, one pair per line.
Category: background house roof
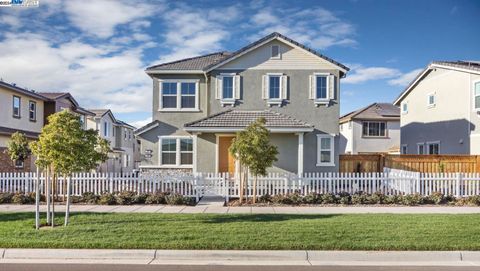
193,63
9,131
23,91
241,119
375,111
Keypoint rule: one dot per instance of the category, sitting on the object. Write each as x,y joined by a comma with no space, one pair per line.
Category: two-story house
121,138
200,103
22,111
58,101
372,129
440,110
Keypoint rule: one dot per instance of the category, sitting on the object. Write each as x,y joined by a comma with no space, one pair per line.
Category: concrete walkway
214,209
252,258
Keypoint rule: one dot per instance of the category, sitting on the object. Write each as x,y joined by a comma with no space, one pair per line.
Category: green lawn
202,231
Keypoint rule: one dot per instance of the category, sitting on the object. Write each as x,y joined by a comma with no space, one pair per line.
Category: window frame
402,149
431,105
179,95
278,100
22,165
331,149
177,152
106,129
421,144
327,86
429,143
279,55
404,111
19,115
474,83
30,103
368,129
228,101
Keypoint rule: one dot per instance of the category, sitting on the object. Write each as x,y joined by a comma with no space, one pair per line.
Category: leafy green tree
18,148
64,148
253,150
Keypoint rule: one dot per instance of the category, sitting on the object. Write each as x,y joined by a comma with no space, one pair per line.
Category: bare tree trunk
37,201
240,185
67,211
246,183
255,189
54,180
47,194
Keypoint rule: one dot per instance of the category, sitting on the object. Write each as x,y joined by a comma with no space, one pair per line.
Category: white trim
404,112
179,95
428,143
235,129
195,140
148,129
332,150
418,147
300,154
431,94
279,100
175,72
221,63
177,152
454,68
227,101
271,52
473,92
317,100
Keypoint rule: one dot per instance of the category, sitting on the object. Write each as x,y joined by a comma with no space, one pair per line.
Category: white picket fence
389,182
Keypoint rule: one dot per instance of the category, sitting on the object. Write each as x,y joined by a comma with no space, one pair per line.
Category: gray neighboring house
123,144
200,103
440,110
372,129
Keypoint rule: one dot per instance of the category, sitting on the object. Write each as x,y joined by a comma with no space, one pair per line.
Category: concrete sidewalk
252,258
249,210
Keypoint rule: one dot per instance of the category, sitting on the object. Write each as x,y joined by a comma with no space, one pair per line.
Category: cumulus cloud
363,74
405,78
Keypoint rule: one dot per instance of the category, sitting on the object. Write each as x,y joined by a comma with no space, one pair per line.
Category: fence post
459,180
226,188
418,183
110,183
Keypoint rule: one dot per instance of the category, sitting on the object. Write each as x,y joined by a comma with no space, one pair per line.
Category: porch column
194,137
300,154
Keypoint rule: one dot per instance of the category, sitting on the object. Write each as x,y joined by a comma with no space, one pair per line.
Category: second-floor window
374,129
32,111
274,88
321,87
404,108
476,92
179,95
106,129
431,100
227,91
16,106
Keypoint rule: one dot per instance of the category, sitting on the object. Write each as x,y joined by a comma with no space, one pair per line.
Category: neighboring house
372,129
22,111
58,101
200,103
121,138
440,110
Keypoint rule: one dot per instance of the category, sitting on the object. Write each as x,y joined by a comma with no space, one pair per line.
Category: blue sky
98,49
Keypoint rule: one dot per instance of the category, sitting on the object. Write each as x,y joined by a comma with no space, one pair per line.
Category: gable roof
268,38
198,63
54,96
23,91
122,123
239,119
463,66
102,112
375,111
147,127
206,63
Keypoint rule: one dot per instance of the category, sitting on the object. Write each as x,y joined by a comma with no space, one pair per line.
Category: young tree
17,147
253,150
64,148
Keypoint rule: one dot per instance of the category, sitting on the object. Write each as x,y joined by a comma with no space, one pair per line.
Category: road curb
242,257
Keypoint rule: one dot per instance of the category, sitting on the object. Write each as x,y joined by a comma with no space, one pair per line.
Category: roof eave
237,129
174,71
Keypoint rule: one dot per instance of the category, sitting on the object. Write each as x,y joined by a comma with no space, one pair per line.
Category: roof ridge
186,59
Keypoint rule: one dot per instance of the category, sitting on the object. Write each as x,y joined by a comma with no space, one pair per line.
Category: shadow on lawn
264,218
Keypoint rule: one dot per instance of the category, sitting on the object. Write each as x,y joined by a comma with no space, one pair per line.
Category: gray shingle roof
193,63
26,92
241,119
375,111
469,65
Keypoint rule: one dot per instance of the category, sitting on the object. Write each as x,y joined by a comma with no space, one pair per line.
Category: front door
226,162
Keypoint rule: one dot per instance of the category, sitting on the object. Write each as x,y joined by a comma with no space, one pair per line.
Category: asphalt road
108,267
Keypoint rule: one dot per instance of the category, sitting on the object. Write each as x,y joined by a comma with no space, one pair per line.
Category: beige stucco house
372,129
200,103
440,110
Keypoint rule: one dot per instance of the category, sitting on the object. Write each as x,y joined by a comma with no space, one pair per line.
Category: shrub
435,198
412,199
107,199
278,199
344,198
6,197
21,198
312,198
90,198
359,198
393,199
376,198
140,198
328,198
473,200
265,198
175,199
294,199
125,197
75,199
156,198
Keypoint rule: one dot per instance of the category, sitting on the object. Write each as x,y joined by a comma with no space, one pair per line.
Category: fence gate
212,184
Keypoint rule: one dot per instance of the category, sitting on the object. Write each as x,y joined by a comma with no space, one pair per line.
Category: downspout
206,93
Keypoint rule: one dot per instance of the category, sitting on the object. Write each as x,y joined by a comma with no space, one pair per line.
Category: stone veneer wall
6,165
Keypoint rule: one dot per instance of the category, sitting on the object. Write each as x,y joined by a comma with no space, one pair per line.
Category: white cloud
405,78
363,74
141,123
100,18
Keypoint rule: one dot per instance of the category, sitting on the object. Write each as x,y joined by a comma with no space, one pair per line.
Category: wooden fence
389,182
419,163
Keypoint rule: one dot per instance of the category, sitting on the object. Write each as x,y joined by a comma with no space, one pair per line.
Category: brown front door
226,162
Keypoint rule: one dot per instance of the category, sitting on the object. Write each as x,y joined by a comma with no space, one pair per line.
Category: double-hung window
176,151
227,88
325,150
374,129
16,106
420,148
433,147
178,95
106,129
321,88
321,91
476,93
32,111
274,87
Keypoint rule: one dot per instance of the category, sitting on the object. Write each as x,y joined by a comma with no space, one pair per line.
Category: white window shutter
218,87
160,93
237,87
312,87
284,87
265,87
331,86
